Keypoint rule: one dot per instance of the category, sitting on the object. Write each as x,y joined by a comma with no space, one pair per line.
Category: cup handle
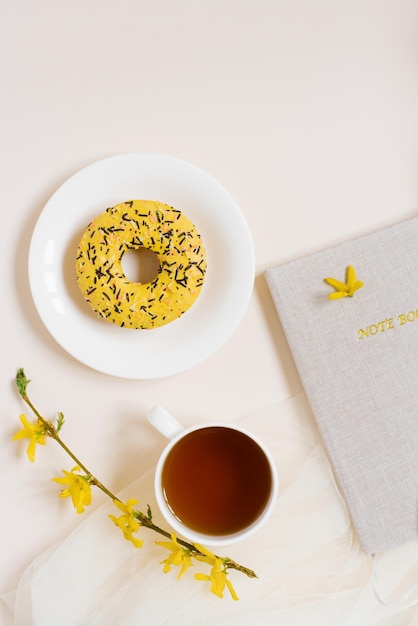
165,423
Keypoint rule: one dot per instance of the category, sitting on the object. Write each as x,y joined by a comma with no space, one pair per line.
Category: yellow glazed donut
141,224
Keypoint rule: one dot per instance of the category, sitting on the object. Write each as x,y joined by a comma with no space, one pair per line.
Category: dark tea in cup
216,480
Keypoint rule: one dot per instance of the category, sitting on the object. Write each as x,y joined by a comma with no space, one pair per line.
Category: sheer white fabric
309,564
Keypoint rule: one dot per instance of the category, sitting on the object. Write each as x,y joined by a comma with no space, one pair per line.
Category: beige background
306,112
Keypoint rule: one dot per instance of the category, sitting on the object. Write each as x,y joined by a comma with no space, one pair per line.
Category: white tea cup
215,483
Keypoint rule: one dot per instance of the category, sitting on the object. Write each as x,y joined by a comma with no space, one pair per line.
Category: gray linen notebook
358,361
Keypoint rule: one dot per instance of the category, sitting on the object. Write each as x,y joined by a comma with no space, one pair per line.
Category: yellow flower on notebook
342,290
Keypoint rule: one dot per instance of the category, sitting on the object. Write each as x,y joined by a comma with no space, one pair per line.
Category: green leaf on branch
22,382
60,421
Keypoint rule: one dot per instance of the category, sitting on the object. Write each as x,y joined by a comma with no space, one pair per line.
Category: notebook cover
358,362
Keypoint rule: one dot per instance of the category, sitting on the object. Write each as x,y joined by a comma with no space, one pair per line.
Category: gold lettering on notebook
373,329
408,317
387,324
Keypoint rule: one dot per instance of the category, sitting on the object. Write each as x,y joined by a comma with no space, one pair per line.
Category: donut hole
140,265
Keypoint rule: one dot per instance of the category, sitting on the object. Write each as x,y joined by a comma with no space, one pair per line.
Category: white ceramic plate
141,354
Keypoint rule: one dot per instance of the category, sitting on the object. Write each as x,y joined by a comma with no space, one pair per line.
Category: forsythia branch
129,521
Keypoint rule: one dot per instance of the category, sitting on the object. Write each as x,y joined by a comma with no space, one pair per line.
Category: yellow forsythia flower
78,488
218,573
342,290
179,555
35,432
127,522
